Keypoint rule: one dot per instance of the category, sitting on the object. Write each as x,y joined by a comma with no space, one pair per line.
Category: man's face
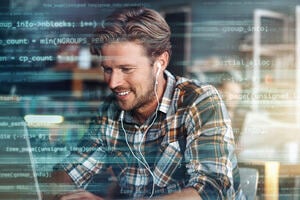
129,74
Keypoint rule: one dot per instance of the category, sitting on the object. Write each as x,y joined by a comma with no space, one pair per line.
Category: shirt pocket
168,163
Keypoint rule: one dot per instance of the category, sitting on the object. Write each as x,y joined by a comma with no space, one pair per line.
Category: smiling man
164,137
131,76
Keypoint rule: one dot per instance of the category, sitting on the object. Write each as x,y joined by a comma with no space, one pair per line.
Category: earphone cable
144,161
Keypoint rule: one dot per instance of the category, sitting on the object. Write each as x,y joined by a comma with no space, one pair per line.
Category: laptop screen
18,178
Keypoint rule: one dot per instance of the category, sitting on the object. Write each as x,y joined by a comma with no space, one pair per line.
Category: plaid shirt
188,107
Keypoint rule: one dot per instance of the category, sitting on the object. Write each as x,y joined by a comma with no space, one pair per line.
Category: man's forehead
117,60
129,52
110,58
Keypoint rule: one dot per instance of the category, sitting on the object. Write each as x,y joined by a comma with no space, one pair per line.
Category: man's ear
163,60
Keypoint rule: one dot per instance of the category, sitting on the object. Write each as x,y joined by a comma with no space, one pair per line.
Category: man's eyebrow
126,65
119,66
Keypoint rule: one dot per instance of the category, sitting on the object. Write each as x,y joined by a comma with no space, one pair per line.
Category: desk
273,147
270,174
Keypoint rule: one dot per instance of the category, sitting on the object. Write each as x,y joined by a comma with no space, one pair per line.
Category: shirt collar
167,97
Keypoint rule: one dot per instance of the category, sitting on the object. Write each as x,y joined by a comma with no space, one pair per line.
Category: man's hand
185,194
78,195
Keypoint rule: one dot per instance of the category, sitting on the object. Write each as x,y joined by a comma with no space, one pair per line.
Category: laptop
18,177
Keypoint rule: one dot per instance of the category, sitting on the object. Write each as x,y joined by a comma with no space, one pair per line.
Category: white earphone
157,73
142,160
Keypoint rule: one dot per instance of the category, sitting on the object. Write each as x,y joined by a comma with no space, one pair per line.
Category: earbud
159,68
122,115
157,73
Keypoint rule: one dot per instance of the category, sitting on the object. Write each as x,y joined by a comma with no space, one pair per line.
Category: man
164,137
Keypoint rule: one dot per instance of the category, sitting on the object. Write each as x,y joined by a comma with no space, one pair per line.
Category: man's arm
60,176
61,187
185,194
59,180
209,149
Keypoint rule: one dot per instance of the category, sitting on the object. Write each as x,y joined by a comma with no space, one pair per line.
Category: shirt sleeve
87,158
210,147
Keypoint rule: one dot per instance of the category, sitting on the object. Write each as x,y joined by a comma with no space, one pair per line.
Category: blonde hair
138,24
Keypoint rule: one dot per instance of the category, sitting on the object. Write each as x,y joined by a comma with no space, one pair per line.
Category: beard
144,100
141,101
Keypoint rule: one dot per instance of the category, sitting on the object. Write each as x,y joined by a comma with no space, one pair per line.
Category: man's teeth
123,93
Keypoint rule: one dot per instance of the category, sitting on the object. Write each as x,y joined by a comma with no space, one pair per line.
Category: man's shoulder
193,85
191,90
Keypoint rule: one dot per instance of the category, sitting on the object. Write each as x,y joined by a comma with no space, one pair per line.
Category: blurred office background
248,49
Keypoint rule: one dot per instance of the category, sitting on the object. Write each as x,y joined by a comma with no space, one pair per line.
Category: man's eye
107,70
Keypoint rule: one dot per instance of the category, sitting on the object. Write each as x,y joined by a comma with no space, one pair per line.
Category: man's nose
115,79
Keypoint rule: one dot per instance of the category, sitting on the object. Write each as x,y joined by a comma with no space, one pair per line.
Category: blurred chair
249,182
